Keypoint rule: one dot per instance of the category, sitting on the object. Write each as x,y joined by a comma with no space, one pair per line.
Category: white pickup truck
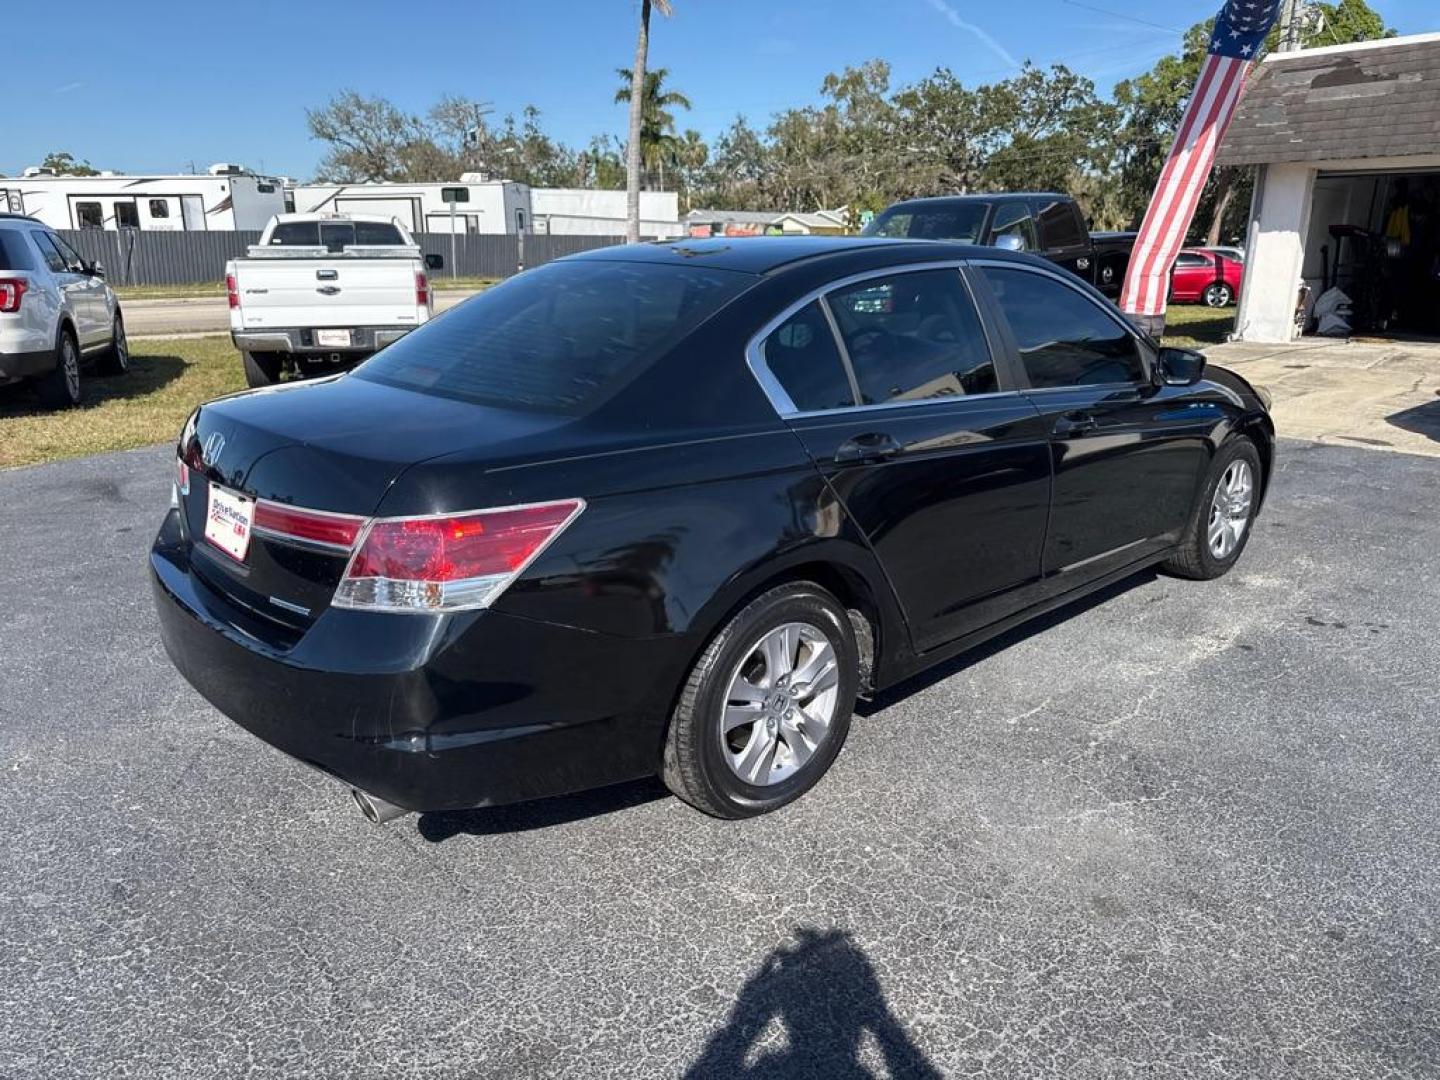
321,292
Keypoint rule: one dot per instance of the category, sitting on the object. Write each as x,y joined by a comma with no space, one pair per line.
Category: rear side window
52,255
913,336
558,339
959,221
1060,225
1065,338
802,355
1191,259
296,234
14,252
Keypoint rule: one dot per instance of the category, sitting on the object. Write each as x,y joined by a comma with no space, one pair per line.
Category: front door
1127,455
89,291
915,428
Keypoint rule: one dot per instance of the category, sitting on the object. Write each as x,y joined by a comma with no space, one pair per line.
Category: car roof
768,254
980,196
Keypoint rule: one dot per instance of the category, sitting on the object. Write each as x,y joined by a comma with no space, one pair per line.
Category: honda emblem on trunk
210,449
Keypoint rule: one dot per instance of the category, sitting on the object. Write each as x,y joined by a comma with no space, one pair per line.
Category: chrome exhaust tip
376,810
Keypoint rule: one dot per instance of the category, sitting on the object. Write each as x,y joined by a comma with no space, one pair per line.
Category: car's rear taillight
232,291
422,290
12,290
449,562
308,526
181,486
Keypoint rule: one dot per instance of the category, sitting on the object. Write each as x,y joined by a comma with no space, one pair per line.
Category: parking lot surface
1188,830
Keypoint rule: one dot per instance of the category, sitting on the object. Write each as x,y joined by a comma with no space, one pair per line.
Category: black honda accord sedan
671,508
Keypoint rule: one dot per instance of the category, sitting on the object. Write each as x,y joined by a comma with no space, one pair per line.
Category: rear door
1127,455
1063,237
891,383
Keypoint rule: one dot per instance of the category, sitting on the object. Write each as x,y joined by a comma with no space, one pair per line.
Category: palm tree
637,87
658,145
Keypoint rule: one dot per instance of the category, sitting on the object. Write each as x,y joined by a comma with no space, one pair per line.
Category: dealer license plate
332,338
228,522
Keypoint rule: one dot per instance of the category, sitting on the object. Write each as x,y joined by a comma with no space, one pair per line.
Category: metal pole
452,239
1292,22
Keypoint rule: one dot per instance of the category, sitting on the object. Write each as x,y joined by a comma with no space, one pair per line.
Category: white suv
55,308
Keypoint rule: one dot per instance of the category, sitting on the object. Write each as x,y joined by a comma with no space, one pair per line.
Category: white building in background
496,207
225,198
587,212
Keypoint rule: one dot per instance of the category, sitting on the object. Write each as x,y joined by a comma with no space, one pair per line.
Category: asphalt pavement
1186,830
211,314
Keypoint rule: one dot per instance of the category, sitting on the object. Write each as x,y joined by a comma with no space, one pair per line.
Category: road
1186,831
210,314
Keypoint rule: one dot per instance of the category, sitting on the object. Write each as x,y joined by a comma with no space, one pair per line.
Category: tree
637,96
62,164
658,145
370,139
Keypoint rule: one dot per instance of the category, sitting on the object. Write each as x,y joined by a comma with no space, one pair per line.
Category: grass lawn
1194,326
217,288
147,405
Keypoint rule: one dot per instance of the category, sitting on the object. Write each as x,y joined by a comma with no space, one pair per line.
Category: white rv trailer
214,201
587,212
489,206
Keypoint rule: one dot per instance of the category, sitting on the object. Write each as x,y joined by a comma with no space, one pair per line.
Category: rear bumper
363,339
24,365
429,713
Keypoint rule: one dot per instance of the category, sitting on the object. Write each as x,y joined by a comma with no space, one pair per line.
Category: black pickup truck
1043,222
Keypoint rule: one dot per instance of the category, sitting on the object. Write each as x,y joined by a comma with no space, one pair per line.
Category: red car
1205,277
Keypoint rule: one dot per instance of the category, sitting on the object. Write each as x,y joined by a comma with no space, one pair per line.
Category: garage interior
1376,235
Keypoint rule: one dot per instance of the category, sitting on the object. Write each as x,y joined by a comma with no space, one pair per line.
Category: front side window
559,339
1065,338
802,356
73,261
88,215
1013,219
913,336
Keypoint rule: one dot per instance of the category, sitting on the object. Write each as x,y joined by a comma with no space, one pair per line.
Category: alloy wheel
122,349
70,365
1230,509
1217,296
780,704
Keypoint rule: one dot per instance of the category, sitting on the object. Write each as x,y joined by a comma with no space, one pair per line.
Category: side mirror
95,269
434,262
1010,242
1179,367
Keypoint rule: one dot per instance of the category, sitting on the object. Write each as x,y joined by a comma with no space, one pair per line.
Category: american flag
1239,30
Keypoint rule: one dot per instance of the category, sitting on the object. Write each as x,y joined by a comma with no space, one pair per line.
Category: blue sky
151,87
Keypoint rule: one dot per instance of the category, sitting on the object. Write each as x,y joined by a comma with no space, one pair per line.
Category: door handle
872,446
1075,423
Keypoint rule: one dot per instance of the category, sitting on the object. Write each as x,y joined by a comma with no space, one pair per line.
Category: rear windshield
956,221
14,252
559,339
335,235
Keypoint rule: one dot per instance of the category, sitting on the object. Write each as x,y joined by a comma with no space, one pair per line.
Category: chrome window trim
780,400
1071,282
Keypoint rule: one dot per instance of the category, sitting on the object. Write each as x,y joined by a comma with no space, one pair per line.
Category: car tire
727,765
1218,295
116,359
1223,515
60,389
262,369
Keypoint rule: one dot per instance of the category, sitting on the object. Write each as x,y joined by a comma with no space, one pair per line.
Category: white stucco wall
602,213
1275,250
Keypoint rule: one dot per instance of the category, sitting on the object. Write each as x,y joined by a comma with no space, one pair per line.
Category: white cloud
67,87
989,42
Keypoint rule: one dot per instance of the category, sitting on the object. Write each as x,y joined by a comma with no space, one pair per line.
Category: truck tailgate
327,292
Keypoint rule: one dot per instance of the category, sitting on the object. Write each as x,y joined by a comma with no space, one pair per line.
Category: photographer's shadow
825,993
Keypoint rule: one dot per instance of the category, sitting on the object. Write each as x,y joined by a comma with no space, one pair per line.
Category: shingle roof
1379,99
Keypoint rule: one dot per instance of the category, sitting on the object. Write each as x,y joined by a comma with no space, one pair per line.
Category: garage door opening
1376,237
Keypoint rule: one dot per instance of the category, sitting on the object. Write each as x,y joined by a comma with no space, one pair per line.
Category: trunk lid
335,292
334,446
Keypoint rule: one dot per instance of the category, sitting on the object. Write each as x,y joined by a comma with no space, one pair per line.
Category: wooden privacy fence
140,257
